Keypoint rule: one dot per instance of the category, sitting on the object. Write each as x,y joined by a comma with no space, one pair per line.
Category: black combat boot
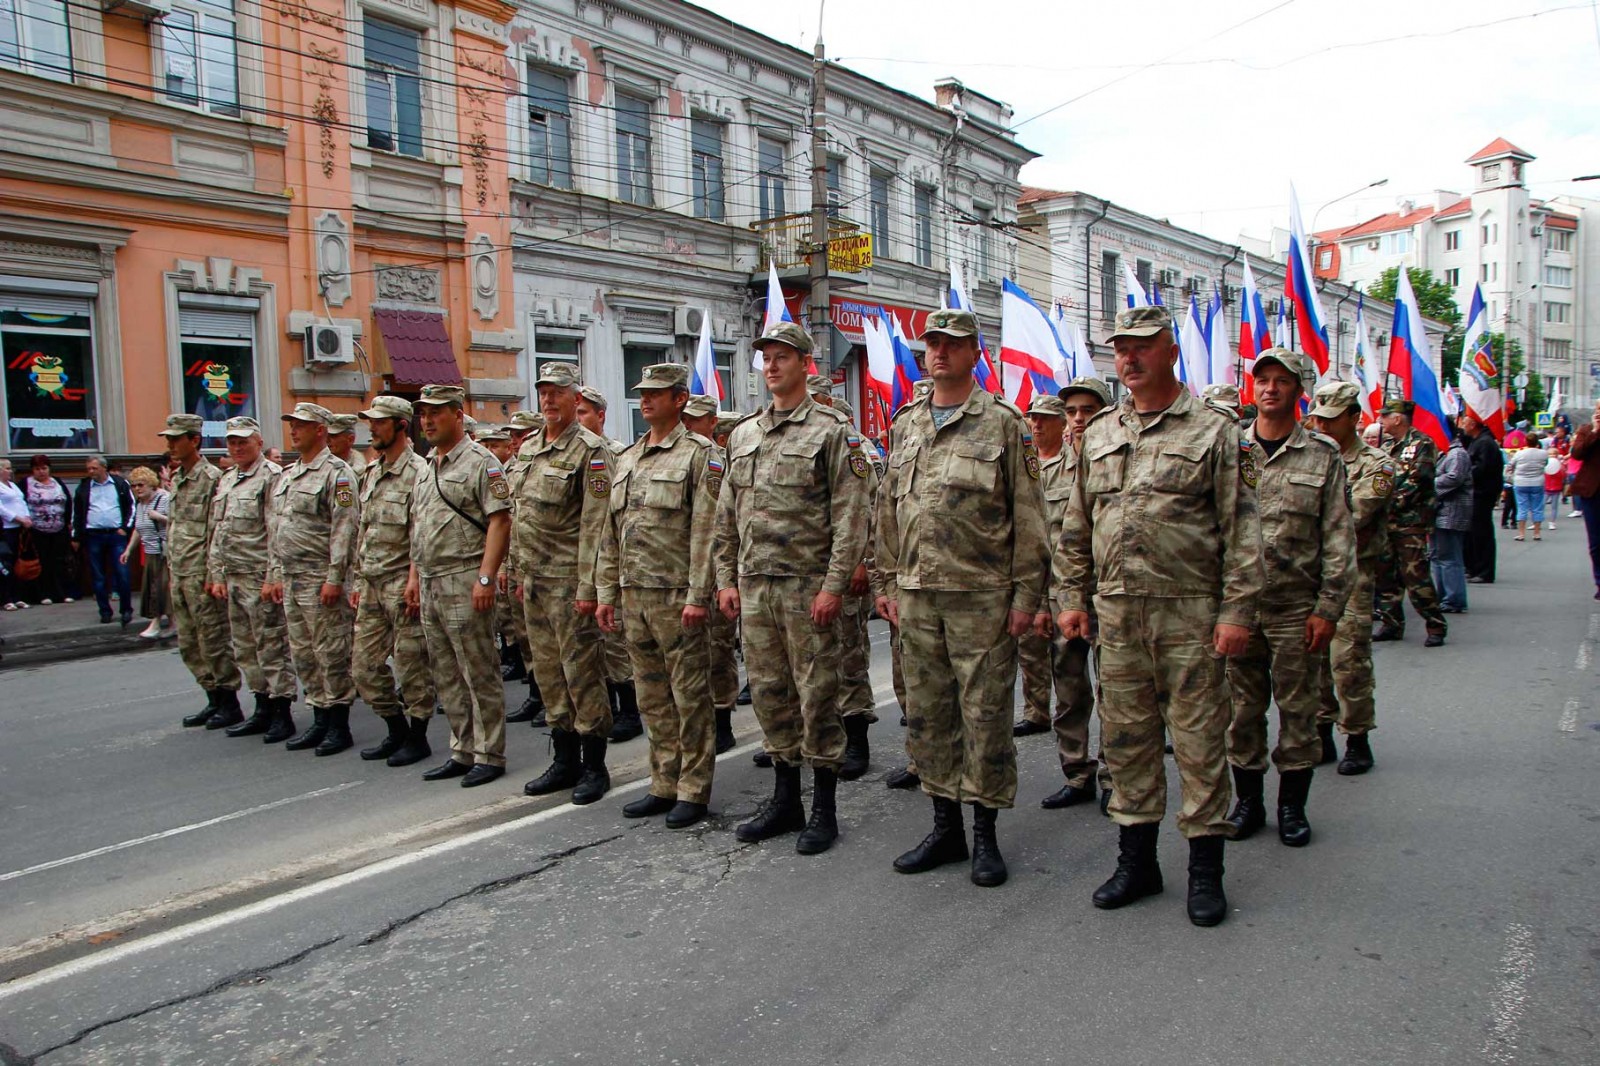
312,736
1068,795
1387,632
260,719
725,739
1207,903
823,828
684,814
564,770
512,668
1249,809
595,780
532,709
416,747
1330,750
396,724
625,725
743,699
1357,755
946,844
781,814
282,727
762,759
902,778
203,715
1293,788
647,806
338,736
1137,874
857,751
988,868
228,712
447,770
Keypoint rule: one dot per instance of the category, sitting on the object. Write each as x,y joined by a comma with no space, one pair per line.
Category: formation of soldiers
1152,561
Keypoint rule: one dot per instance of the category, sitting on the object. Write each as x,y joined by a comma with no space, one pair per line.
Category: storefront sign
847,315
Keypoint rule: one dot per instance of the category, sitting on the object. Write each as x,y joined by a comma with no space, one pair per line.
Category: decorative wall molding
480,25
496,389
332,237
509,340
485,270
408,284
217,275
558,311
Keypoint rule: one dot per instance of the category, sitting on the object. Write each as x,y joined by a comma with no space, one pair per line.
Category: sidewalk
66,631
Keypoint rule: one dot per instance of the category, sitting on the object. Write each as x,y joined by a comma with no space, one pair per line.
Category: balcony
786,242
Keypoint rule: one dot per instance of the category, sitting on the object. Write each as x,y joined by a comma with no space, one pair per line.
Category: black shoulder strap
479,526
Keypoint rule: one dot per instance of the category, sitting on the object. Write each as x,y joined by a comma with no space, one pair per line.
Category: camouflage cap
1397,406
526,421
1093,386
242,426
727,420
342,424
555,372
442,395
309,412
1045,404
699,406
488,432
1226,395
952,323
1141,322
663,376
1335,398
790,333
1292,361
843,407
387,406
818,385
471,423
596,398
182,426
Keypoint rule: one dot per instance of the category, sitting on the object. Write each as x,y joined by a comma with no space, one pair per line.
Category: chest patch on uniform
1249,473
1383,482
858,462
343,494
498,488
1409,453
599,479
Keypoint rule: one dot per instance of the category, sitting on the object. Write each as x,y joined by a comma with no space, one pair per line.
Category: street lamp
1346,196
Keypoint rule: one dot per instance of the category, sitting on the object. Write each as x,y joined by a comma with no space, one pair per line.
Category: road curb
43,649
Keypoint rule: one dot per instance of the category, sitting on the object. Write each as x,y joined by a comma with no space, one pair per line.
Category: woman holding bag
150,531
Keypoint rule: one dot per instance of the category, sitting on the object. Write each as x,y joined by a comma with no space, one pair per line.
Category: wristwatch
485,581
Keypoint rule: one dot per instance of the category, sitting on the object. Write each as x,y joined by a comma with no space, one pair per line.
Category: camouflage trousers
794,670
204,640
568,657
1350,656
465,667
1159,669
511,625
672,673
855,654
1411,576
1069,661
961,669
1035,662
260,637
898,676
383,628
1276,669
721,641
619,663
319,640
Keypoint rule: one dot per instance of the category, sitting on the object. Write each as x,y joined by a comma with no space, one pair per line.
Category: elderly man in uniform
1163,535
700,415
385,625
314,516
1411,514
1308,550
237,562
514,662
655,563
1222,395
1369,473
342,443
961,542
204,641
460,526
562,502
791,529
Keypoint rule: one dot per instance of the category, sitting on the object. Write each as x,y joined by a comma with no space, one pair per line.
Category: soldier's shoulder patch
599,477
858,463
1383,480
714,472
853,439
1031,462
498,486
1249,472
343,491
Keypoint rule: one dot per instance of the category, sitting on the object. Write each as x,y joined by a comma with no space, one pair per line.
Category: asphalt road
1447,911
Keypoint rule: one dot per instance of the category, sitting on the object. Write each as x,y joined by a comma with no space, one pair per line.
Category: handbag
27,567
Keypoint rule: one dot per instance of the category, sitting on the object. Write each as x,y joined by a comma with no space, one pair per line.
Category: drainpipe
1338,332
1088,271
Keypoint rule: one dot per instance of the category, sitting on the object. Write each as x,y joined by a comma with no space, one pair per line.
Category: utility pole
821,312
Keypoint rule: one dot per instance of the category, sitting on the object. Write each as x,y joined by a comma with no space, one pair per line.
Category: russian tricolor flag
1255,336
988,380
1308,316
1409,361
703,377
906,371
1030,351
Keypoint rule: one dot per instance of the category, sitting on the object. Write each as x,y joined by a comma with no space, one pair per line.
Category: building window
549,129
1325,258
1558,240
1452,240
1452,277
1557,312
1108,284
633,149
1558,277
705,142
635,357
878,200
1142,269
394,87
1561,350
922,224
1555,381
1360,253
34,37
198,63
554,348
1491,172
772,183
219,367
1396,243
835,180
50,396
1491,233
983,240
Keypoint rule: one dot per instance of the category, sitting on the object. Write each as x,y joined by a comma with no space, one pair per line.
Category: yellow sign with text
850,255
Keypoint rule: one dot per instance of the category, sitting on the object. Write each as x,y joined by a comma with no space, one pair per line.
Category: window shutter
205,322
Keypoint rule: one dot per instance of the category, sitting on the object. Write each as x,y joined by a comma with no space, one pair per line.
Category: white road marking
181,933
1510,999
1569,717
1594,627
1582,662
165,833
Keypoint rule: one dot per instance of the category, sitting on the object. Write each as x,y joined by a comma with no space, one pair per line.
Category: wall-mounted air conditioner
330,345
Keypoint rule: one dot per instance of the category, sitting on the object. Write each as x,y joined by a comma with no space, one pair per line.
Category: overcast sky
1213,130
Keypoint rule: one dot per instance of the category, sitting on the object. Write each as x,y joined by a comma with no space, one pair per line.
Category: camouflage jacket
1057,475
1414,505
1308,545
661,514
383,546
312,520
239,538
470,479
193,512
562,494
1370,474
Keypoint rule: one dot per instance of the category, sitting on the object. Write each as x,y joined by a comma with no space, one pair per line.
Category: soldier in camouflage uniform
961,541
516,663
204,641
725,650
655,563
563,498
342,443
624,694
312,519
236,572
1308,548
700,416
1163,534
906,777
1411,514
857,704
1045,413
385,626
1370,473
791,529
460,528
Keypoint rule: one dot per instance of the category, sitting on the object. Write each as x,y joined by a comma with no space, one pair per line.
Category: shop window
50,396
219,368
